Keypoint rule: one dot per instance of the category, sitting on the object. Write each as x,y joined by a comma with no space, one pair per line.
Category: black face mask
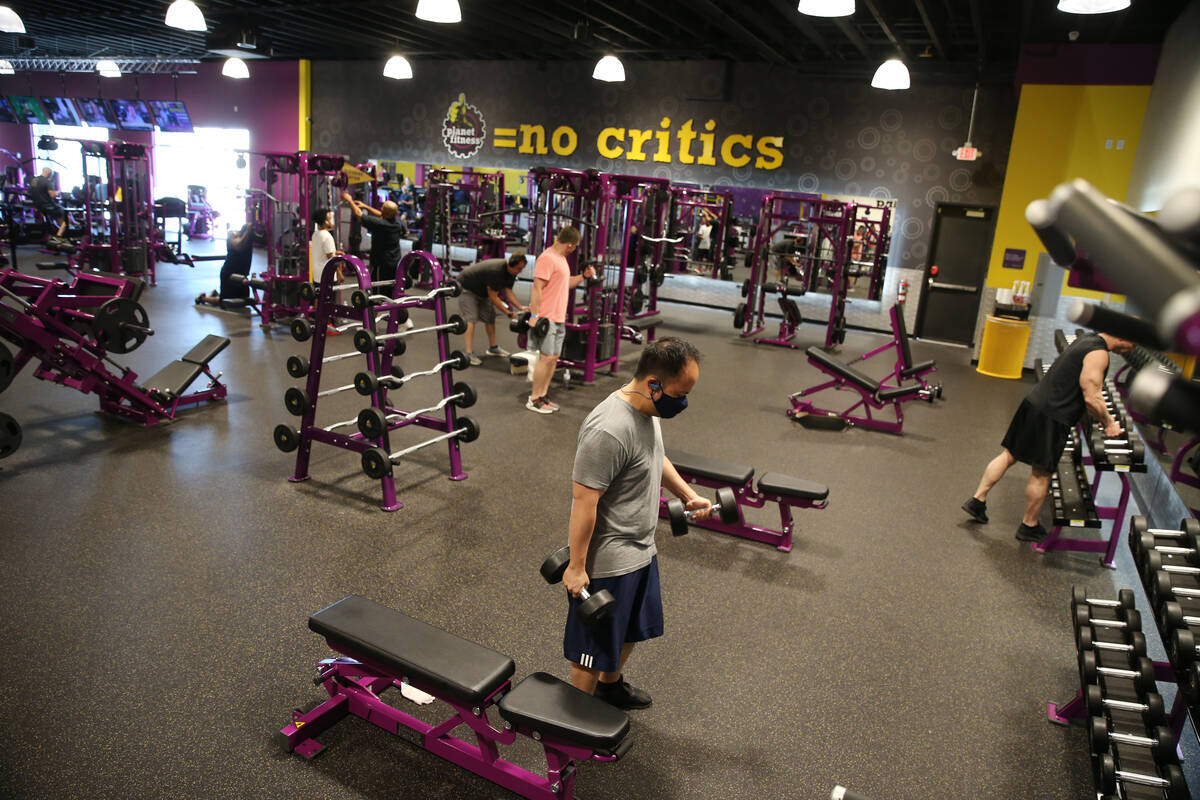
666,405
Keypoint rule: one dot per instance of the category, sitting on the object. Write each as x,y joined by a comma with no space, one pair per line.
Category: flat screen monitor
95,113
171,116
60,111
29,110
132,115
7,114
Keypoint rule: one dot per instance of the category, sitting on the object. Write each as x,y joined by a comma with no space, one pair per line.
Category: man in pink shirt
552,285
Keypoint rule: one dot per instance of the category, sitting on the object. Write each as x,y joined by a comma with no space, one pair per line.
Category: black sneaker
976,509
1031,533
622,695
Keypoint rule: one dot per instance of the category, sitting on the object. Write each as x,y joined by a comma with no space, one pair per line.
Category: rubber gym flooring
157,583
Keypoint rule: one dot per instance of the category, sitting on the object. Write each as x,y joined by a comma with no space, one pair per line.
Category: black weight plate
469,428
114,322
10,435
286,438
297,366
302,329
468,394
7,367
296,401
371,423
638,302
739,316
375,463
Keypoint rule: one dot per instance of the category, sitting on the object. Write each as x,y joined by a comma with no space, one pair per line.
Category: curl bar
367,384
377,463
372,423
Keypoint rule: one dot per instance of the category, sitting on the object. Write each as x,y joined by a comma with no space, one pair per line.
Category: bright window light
235,68
6,67
439,11
609,69
108,68
827,8
892,74
185,15
1092,6
65,160
10,22
205,157
397,68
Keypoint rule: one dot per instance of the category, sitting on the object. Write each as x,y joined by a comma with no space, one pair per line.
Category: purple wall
1094,64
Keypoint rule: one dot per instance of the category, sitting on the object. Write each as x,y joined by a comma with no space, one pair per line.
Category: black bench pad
846,371
642,323
206,350
915,368
446,663
712,468
173,379
775,483
899,391
546,704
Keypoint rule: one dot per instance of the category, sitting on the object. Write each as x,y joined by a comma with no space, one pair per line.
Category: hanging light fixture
609,69
185,15
439,11
6,67
892,74
235,68
1092,6
827,8
397,68
108,68
10,21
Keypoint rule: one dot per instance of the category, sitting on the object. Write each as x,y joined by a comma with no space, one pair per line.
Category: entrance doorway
955,272
206,157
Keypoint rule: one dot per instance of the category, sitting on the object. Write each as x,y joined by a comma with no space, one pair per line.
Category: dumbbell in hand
1103,447
595,607
520,324
726,506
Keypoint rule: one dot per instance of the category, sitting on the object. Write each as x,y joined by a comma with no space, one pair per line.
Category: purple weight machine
690,205
70,329
377,352
472,225
635,209
383,649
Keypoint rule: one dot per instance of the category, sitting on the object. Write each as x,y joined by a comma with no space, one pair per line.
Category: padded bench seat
206,350
367,631
775,483
712,468
915,368
546,704
845,370
172,380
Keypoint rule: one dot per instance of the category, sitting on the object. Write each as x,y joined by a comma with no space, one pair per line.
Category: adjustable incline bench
382,648
786,491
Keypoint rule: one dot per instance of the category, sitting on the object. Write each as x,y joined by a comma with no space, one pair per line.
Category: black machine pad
173,380
206,350
365,630
846,371
546,704
916,368
775,483
899,391
642,323
712,468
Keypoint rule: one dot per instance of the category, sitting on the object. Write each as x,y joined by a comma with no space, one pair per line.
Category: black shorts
51,211
1035,438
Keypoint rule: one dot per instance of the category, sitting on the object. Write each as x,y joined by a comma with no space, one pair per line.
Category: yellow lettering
609,150
770,154
727,149
561,133
706,145
663,153
686,136
528,132
637,139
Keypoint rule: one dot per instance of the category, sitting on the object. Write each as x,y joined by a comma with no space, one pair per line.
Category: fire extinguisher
902,292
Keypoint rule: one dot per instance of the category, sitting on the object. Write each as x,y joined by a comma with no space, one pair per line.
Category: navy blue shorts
637,617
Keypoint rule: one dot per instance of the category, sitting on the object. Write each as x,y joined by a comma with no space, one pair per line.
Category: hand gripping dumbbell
726,506
1102,448
1151,706
520,324
1159,740
366,341
1108,776
595,607
1140,672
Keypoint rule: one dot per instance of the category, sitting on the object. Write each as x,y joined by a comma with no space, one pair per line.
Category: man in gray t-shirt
617,479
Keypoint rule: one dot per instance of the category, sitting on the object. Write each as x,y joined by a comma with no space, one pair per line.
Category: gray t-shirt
620,452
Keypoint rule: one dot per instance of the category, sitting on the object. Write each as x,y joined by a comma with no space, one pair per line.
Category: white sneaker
498,351
538,406
473,359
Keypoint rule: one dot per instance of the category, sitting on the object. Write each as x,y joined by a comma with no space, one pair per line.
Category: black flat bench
712,468
775,483
545,704
173,380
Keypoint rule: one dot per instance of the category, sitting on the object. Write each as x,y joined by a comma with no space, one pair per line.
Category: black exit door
955,272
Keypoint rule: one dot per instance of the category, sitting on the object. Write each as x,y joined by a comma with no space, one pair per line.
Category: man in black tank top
1040,428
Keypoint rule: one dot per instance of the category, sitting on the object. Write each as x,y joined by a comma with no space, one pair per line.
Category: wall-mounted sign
1014,259
463,130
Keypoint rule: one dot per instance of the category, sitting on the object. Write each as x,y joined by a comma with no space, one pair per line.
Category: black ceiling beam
977,24
722,19
846,26
773,32
888,29
788,9
696,36
932,28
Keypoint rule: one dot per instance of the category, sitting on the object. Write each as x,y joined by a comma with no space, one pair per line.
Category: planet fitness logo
464,129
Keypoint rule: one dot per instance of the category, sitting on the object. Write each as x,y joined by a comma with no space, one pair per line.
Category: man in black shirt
1039,430
386,231
482,285
43,194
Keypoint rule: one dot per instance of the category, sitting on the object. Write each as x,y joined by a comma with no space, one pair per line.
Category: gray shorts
552,344
476,309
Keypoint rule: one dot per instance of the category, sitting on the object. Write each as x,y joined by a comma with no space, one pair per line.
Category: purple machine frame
379,363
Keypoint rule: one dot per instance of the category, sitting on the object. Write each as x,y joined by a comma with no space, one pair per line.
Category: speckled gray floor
156,585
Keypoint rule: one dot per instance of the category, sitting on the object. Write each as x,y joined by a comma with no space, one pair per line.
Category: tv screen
171,115
60,110
95,112
6,111
132,115
29,109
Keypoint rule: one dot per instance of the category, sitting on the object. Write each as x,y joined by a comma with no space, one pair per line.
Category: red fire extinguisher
902,292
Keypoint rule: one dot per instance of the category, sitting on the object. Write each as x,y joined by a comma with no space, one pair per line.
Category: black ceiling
934,36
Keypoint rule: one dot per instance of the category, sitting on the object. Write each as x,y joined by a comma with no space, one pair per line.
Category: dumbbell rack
378,363
1129,730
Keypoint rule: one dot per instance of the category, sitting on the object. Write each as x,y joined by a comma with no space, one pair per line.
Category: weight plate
375,463
302,329
120,325
286,438
469,429
371,423
296,401
739,316
468,394
308,292
297,366
638,301
10,435
7,367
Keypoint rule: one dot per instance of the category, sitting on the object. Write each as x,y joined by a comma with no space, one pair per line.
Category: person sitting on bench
1042,423
239,251
619,470
44,197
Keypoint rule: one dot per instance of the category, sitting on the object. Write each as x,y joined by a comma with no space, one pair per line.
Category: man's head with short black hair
516,263
666,359
320,217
